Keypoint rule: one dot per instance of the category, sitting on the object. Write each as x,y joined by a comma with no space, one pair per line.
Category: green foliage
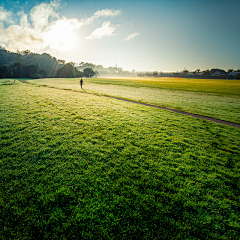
20,70
45,61
88,71
6,71
31,71
67,71
36,76
6,57
79,166
42,73
17,70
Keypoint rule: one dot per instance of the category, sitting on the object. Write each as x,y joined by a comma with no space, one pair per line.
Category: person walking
81,83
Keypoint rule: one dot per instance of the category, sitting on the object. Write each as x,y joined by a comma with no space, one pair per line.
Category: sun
61,35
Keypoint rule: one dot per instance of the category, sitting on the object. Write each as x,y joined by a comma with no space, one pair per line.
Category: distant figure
81,83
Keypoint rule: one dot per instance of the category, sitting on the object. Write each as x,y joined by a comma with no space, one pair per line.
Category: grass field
81,166
214,98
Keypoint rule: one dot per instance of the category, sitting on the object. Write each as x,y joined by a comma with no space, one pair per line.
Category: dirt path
181,112
164,108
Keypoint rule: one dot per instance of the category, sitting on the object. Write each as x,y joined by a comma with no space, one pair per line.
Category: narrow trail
185,113
155,106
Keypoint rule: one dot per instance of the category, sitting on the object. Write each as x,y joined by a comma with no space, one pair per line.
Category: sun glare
61,36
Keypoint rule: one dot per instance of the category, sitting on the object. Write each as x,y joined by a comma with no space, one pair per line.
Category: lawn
214,98
216,86
81,166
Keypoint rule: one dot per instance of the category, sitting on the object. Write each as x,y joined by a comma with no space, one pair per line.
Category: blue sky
142,35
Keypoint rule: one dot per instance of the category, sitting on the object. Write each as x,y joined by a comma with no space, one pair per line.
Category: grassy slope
215,98
76,165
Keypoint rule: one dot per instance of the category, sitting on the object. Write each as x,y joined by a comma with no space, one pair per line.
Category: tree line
26,64
214,73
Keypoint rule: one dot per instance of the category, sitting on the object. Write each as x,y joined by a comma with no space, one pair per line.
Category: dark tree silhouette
88,71
155,74
67,71
30,70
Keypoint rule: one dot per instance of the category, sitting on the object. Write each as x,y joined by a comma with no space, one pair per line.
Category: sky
140,35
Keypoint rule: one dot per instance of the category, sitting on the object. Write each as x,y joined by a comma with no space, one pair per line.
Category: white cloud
107,13
131,36
43,28
5,16
19,37
106,30
57,34
103,13
41,13
23,19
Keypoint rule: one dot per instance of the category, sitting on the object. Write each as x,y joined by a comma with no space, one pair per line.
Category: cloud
43,28
60,35
5,16
23,19
19,37
41,13
107,13
47,30
24,36
106,30
103,13
131,36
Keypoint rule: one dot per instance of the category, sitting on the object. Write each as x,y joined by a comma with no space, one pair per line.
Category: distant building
217,72
235,73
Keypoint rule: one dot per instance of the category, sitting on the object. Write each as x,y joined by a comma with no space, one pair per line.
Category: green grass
213,86
6,82
214,98
80,166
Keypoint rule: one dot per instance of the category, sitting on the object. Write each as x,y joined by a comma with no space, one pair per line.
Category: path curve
155,106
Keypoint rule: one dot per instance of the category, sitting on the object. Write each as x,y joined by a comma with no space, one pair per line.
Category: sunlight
61,36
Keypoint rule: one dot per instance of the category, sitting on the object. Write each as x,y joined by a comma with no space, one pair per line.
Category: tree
67,71
17,70
30,70
6,57
149,74
26,53
155,74
61,61
216,70
205,74
6,71
72,63
88,71
196,72
80,74
42,73
237,76
161,74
